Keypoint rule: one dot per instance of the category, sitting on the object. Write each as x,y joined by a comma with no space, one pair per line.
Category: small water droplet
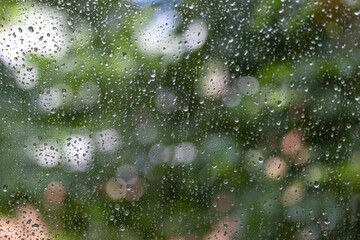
122,227
35,225
153,73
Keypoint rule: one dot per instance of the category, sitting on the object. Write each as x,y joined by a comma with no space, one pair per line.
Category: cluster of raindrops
74,152
159,37
38,32
179,119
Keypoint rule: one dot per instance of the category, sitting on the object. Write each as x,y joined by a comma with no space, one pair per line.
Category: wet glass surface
181,119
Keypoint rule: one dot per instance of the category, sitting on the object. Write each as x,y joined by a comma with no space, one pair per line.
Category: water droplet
35,225
153,73
122,227
323,212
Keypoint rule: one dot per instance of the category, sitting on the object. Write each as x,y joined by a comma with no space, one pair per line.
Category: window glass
179,119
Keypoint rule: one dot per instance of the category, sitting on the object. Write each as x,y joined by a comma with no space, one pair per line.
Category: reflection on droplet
122,227
35,225
117,207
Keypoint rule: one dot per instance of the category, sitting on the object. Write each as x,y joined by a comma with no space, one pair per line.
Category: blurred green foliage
305,57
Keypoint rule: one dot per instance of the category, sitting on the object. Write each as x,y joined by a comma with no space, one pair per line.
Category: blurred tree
179,119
